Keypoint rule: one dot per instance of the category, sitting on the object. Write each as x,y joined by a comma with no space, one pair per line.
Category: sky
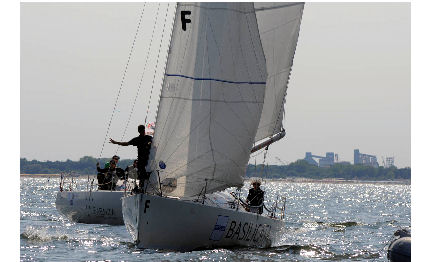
350,85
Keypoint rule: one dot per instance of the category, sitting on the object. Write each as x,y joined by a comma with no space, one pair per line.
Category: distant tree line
85,165
300,168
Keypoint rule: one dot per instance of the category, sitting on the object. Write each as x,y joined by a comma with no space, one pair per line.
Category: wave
297,249
41,235
345,224
340,224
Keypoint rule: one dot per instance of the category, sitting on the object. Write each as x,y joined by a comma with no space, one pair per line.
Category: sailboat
94,206
90,206
222,98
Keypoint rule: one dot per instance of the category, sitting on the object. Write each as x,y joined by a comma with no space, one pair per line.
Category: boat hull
98,207
166,223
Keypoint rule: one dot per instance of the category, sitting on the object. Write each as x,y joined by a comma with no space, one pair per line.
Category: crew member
255,197
108,177
131,171
116,158
143,143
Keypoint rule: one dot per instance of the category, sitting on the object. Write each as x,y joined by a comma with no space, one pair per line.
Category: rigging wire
156,64
122,81
141,79
160,133
165,66
167,56
264,161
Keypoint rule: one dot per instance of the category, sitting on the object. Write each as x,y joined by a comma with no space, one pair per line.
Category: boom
270,141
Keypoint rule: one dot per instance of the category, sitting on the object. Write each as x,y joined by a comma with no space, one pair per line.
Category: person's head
115,158
135,163
141,129
112,164
256,183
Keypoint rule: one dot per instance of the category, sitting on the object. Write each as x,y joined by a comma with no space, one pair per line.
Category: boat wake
341,224
298,249
41,235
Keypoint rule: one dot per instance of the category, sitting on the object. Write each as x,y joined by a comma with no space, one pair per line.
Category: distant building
364,159
389,162
309,159
327,161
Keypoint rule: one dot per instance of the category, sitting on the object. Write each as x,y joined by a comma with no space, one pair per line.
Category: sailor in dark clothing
108,177
255,197
143,143
116,158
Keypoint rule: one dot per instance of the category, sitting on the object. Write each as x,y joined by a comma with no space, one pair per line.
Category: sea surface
324,221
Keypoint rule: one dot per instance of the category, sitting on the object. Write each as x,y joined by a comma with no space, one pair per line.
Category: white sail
211,99
279,25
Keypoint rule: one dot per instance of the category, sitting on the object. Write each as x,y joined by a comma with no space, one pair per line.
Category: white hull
167,223
97,207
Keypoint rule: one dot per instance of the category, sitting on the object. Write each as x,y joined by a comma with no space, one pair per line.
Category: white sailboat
91,206
222,98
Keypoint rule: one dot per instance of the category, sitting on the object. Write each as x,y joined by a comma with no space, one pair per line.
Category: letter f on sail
185,20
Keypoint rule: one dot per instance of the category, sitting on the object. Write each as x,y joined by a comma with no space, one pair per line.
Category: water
331,222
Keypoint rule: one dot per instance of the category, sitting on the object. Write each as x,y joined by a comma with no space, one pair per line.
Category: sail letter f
185,20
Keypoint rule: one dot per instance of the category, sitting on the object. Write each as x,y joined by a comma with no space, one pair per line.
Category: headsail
279,25
211,99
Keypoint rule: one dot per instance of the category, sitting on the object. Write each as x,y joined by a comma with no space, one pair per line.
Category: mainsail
211,98
224,89
279,25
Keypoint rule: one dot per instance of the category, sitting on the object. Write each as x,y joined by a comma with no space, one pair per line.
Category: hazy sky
350,85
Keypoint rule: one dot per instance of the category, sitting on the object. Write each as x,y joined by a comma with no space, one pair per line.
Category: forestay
279,25
211,99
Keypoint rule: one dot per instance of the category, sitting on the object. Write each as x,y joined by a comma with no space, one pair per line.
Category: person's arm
101,170
261,197
118,143
249,196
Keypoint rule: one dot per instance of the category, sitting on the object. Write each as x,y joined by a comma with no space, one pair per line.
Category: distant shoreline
287,180
339,181
39,175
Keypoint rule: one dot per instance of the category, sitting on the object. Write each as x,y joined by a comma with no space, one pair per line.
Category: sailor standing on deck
143,143
255,197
